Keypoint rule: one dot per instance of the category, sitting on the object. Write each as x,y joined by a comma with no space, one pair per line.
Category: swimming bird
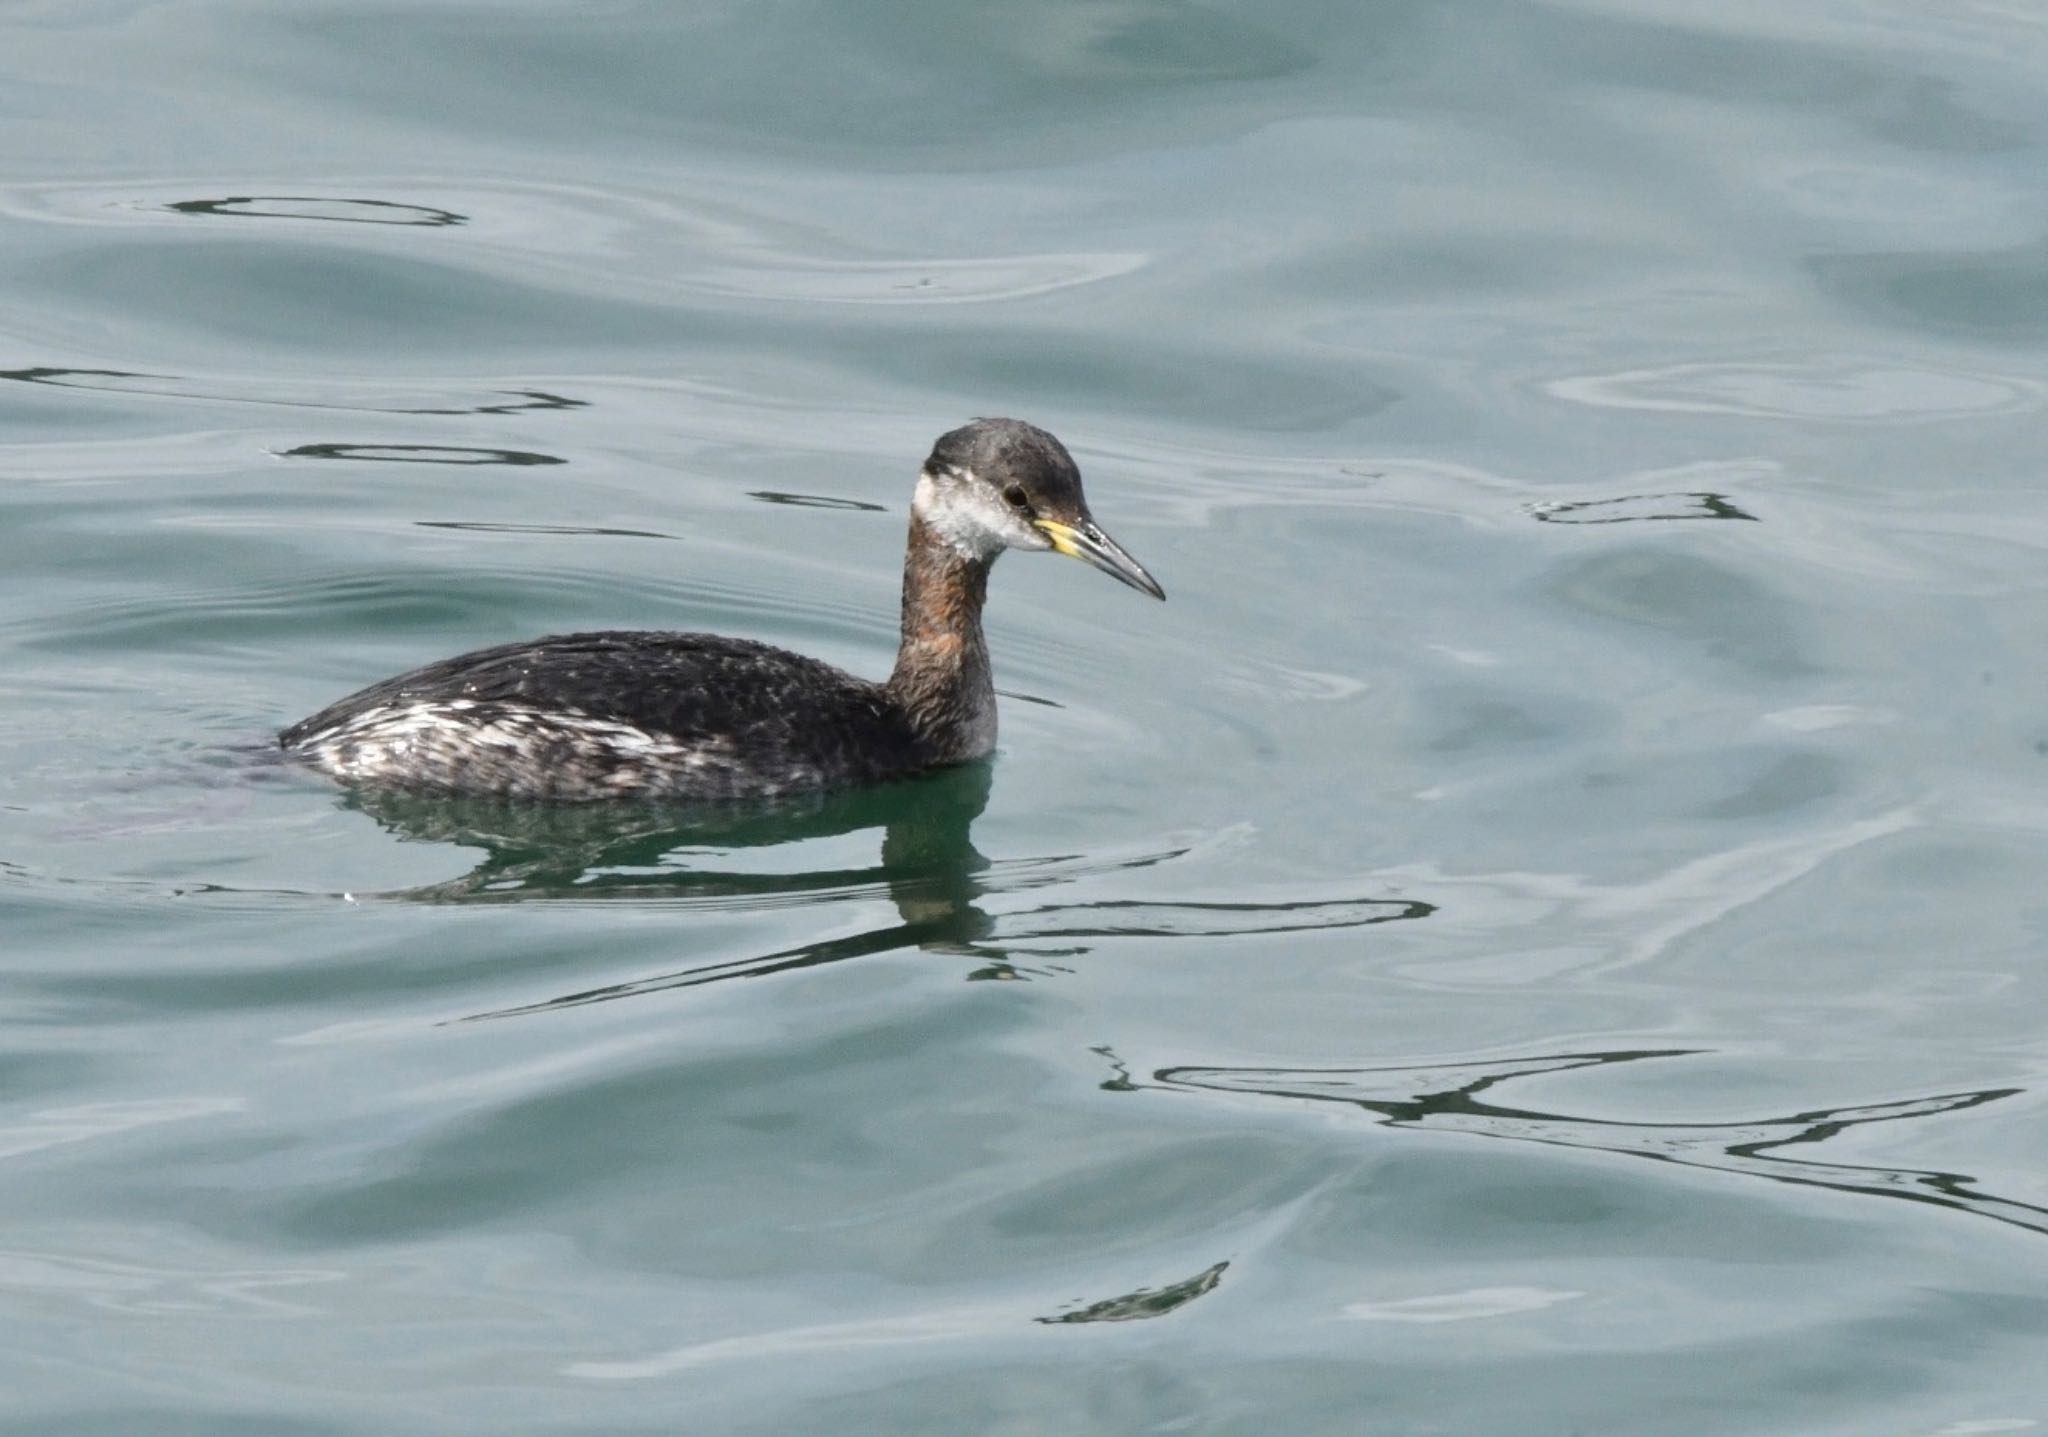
645,714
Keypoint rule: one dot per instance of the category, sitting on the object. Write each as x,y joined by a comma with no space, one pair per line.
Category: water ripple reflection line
485,526
943,1325
1145,1302
934,280
963,929
1446,1097
420,454
322,207
285,394
1192,483
815,501
53,1127
704,240
1628,923
1138,918
1840,389
1638,508
251,606
1472,1303
152,1288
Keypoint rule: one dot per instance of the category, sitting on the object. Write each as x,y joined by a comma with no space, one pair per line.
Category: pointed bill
1086,541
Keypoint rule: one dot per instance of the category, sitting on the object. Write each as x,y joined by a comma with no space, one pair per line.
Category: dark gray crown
1001,452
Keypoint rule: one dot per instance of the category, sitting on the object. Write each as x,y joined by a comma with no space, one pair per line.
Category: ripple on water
1637,508
135,1279
1146,1301
367,396
1713,608
1460,1306
1999,295
485,526
1939,204
1127,918
701,242
395,605
102,204
924,281
1466,1098
83,1122
424,454
1842,389
320,207
815,501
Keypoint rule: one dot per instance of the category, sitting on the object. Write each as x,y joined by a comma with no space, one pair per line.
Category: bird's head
1001,484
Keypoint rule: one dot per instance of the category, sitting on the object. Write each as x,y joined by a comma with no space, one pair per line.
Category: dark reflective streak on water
1447,1098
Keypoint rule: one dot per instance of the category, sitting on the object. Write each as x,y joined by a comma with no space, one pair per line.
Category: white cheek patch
949,509
965,515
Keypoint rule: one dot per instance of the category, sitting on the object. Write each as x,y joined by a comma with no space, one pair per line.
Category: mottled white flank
970,517
413,740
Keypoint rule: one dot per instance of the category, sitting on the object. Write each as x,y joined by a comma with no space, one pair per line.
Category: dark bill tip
1087,542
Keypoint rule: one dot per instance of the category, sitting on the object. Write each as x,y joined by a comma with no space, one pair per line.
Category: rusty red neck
942,677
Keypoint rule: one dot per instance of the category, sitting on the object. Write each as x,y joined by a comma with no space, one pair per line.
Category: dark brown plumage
699,716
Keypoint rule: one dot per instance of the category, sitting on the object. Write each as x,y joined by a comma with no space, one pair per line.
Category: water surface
1541,933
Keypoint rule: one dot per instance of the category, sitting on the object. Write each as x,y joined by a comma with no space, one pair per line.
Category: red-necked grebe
629,714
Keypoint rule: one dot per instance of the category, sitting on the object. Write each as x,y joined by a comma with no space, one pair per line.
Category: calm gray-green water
1543,933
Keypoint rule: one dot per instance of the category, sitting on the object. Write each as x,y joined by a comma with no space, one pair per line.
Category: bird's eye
1015,496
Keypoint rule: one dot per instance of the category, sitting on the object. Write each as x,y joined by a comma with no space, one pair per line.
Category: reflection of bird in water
930,871
697,716
626,850
646,852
